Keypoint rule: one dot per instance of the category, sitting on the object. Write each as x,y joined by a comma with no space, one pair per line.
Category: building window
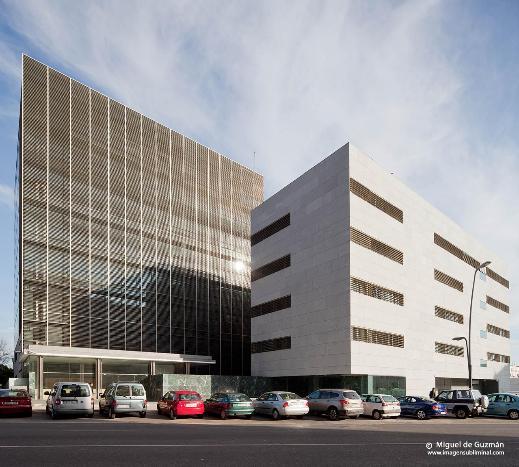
482,276
499,279
270,345
496,357
482,305
271,306
497,304
448,280
377,337
270,230
498,331
376,291
380,203
483,334
270,268
448,314
362,239
449,349
482,363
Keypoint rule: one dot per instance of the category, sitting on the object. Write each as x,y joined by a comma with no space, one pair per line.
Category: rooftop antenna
254,161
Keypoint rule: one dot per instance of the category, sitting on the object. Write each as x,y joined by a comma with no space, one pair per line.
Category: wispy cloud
293,81
7,196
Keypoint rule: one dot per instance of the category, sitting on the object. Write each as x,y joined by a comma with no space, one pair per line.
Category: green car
229,404
503,404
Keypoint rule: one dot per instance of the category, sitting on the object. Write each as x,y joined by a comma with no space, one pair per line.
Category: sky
428,88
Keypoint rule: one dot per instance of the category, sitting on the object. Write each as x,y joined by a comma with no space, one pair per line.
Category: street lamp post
468,343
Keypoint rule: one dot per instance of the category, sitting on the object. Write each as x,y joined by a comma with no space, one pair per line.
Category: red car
181,404
15,402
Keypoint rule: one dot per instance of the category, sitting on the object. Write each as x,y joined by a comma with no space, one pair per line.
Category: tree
5,353
5,374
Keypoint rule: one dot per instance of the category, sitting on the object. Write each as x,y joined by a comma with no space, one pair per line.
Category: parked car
336,403
279,404
421,407
463,403
380,406
229,404
70,399
15,402
123,398
503,405
181,404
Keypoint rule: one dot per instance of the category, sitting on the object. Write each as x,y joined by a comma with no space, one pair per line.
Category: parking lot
156,440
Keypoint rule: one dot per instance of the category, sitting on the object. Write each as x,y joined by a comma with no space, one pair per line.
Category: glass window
290,395
263,397
492,398
123,390
390,399
75,390
482,305
482,276
137,390
313,395
376,399
483,363
324,395
13,393
189,397
463,394
350,395
445,395
238,398
272,397
221,398
483,334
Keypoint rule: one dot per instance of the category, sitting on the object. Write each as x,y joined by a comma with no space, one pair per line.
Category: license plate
123,406
241,404
70,402
191,405
10,403
443,412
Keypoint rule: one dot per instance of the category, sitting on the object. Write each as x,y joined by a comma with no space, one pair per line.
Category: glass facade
131,236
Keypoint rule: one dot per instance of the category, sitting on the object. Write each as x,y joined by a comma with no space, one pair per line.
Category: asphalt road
314,441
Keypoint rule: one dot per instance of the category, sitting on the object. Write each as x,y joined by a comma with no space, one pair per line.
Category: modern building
359,282
133,242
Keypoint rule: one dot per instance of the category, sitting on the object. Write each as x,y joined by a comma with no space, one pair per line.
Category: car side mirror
46,393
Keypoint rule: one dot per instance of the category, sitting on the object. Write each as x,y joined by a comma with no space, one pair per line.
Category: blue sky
428,88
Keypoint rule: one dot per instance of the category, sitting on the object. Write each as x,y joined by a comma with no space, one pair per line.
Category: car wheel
513,415
142,414
461,413
353,417
90,415
333,414
275,415
223,415
376,415
111,413
421,415
172,414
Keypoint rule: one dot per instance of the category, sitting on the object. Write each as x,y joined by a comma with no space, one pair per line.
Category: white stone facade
323,309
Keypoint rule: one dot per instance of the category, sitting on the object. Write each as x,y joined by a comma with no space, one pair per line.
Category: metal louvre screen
362,239
448,314
497,304
449,349
500,279
271,268
133,237
448,280
496,357
498,331
372,336
271,345
271,306
270,230
375,200
376,291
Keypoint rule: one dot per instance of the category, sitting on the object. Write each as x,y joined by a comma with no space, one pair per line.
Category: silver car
279,404
336,403
70,399
124,398
380,406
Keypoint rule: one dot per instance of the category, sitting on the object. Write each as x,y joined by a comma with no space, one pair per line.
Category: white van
70,399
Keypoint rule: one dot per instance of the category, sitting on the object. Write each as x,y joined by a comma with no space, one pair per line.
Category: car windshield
289,395
238,398
13,393
75,390
389,399
350,395
189,397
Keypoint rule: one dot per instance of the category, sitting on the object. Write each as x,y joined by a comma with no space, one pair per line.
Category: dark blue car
421,407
